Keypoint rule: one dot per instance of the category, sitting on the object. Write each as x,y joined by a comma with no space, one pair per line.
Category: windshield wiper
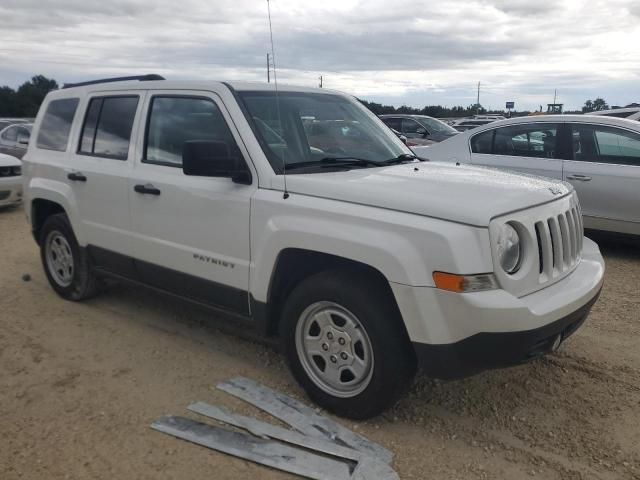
337,162
403,157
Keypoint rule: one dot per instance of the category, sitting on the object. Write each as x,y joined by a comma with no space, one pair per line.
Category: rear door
192,232
98,172
605,171
532,148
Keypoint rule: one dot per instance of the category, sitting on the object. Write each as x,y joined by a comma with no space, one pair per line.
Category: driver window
176,120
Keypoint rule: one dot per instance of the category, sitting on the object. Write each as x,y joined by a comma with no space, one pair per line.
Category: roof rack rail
141,78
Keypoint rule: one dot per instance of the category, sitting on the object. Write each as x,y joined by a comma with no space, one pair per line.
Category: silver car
14,139
599,156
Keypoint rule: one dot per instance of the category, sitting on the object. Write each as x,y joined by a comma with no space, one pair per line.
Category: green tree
600,104
31,94
8,102
588,107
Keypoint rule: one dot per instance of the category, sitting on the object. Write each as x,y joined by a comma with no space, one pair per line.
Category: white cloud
400,52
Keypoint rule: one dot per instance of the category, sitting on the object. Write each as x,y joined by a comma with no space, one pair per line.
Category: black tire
370,301
84,283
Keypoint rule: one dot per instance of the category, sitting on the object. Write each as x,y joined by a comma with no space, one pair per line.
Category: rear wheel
66,265
345,344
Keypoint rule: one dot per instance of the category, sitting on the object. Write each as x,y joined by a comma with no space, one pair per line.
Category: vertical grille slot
573,239
556,242
564,238
577,218
540,253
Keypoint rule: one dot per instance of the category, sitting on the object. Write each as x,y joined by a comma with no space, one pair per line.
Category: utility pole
268,69
478,101
320,81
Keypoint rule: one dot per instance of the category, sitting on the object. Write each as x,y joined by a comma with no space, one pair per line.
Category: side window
394,123
10,134
593,143
483,142
107,127
56,124
410,126
529,140
173,121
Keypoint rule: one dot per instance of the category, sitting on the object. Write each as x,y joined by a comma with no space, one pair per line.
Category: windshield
306,128
435,125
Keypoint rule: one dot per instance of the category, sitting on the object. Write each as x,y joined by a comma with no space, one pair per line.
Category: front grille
551,239
559,243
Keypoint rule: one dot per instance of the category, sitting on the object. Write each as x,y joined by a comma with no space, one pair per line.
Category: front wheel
344,341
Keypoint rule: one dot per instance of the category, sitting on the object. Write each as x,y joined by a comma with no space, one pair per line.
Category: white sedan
10,180
599,156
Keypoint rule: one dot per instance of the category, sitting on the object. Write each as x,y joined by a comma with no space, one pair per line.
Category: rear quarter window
482,142
56,124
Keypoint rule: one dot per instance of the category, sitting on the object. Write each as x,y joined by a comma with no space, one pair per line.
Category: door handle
147,189
76,177
580,178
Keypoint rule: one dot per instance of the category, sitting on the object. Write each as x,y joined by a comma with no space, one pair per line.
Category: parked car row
14,140
10,180
598,155
300,212
419,129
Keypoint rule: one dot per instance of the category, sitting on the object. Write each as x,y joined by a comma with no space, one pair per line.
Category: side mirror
422,131
23,140
205,158
403,139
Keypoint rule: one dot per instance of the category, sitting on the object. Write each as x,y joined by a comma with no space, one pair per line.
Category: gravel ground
80,383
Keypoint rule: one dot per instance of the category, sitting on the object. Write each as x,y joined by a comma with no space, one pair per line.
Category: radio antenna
275,82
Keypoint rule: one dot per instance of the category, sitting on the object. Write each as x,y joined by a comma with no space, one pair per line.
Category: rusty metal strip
301,417
365,467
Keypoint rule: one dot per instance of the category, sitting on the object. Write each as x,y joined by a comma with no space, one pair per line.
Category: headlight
17,170
508,249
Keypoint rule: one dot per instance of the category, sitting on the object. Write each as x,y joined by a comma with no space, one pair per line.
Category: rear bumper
485,351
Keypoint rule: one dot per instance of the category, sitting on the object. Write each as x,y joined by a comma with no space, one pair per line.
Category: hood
9,161
464,194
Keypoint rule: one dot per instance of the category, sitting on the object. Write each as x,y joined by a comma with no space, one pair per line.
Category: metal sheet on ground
301,417
258,450
366,468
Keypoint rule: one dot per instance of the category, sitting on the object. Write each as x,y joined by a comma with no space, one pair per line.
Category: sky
404,52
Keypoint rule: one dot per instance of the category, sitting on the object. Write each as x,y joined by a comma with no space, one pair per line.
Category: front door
192,233
528,147
605,171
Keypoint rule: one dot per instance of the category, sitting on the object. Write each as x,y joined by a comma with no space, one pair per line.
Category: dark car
420,130
14,139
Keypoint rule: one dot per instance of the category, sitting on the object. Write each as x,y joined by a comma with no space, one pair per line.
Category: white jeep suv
302,212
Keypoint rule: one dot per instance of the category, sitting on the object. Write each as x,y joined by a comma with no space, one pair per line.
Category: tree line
26,99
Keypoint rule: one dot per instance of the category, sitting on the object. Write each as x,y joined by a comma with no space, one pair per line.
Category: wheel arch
46,198
293,265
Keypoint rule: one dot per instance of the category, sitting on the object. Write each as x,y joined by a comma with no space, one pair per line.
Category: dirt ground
81,382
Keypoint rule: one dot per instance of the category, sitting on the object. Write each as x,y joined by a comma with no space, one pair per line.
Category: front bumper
10,190
485,351
455,335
